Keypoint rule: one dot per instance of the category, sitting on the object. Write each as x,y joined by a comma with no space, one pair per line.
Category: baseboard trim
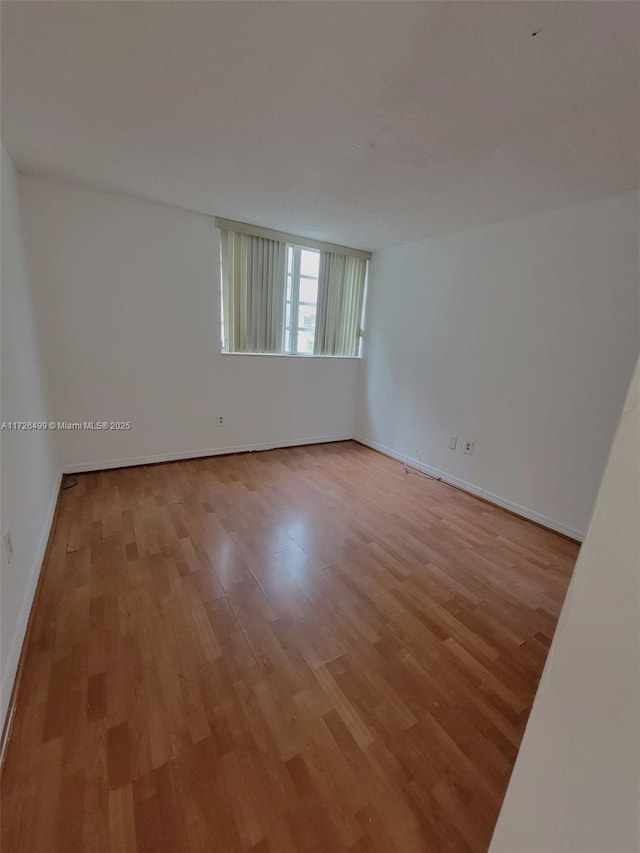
154,459
477,491
13,669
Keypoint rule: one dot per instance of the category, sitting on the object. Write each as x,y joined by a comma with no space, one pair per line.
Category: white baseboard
78,468
13,658
473,489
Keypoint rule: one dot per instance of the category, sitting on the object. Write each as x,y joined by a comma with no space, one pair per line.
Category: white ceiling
361,123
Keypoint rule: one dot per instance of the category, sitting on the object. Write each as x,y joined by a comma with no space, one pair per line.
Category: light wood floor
297,650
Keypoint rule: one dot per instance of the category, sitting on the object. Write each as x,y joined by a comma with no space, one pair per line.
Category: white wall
129,300
28,468
521,336
575,787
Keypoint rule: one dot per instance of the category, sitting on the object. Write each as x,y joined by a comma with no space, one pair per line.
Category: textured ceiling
361,123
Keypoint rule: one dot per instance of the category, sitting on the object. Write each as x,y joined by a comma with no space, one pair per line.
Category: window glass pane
310,263
307,317
287,315
222,341
289,259
288,340
308,290
305,342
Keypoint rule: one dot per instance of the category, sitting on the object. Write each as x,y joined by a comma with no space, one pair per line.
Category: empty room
320,445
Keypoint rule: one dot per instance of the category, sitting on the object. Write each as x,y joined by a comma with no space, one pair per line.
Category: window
282,295
303,268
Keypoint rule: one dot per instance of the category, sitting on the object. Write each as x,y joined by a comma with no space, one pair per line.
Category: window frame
293,301
289,351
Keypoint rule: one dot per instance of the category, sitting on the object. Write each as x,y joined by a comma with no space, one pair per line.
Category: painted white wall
521,336
128,295
575,787
28,469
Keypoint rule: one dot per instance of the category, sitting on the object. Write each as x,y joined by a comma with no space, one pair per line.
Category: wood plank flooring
297,650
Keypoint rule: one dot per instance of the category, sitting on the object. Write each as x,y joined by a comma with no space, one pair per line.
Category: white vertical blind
340,296
254,295
253,292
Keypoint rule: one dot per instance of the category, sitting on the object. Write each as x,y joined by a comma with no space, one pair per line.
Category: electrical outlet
453,442
8,545
468,447
220,420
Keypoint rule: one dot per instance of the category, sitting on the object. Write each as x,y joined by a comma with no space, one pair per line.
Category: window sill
291,355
